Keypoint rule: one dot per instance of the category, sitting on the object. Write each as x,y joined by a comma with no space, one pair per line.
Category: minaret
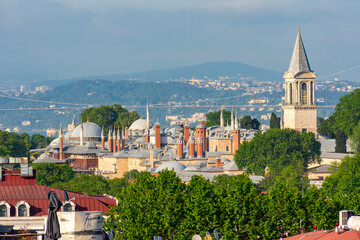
300,109
102,138
222,117
236,121
110,140
147,115
61,137
81,134
114,141
118,140
232,119
73,122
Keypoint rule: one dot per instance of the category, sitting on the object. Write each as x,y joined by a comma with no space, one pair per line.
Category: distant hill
212,70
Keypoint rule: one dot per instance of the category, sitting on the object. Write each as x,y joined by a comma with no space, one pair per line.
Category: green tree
150,206
213,118
326,127
50,174
347,113
14,145
86,184
344,177
276,149
117,185
274,121
132,174
248,123
355,139
39,141
109,116
200,212
340,142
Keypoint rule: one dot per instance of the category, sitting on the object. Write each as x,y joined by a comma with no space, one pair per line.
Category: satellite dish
66,196
196,237
216,234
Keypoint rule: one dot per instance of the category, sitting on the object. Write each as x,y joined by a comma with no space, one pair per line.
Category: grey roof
88,148
299,61
90,130
231,166
216,154
212,169
321,169
49,160
171,165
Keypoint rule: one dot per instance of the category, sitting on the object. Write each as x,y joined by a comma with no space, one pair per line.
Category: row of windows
23,208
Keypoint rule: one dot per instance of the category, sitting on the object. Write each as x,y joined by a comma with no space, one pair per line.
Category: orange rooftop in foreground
327,235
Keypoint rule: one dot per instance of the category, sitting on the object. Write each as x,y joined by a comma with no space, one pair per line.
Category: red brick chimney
200,147
157,135
218,162
236,140
126,133
201,132
110,140
186,133
147,137
180,149
114,140
191,147
118,140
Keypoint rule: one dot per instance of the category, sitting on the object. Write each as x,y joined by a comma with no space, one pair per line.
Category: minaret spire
299,61
147,115
232,119
81,135
236,121
221,117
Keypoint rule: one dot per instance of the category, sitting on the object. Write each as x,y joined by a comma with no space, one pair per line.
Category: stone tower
300,110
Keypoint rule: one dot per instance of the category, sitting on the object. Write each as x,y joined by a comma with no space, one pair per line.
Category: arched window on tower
303,93
311,92
291,93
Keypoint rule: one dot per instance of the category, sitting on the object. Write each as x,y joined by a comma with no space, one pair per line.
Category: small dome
231,166
139,124
90,130
56,142
171,165
191,169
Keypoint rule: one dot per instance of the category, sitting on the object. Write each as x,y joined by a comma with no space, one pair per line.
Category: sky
74,38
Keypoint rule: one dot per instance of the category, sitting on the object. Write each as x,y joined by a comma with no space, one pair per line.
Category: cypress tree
340,142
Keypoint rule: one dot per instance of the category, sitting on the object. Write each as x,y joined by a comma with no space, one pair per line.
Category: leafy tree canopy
274,121
109,116
39,141
340,142
14,144
213,118
276,149
248,123
48,174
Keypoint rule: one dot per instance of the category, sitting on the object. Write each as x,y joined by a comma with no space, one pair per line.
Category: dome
68,135
56,142
171,165
139,124
90,130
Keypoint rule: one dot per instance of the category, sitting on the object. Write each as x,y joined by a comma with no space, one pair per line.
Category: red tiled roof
14,188
327,235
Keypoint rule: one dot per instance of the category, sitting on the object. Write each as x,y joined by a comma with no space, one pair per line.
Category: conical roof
299,61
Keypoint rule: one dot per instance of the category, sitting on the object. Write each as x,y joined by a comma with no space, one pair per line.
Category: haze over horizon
67,38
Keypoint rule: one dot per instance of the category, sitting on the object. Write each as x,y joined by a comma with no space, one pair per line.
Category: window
303,93
304,130
291,93
22,209
227,148
4,209
68,206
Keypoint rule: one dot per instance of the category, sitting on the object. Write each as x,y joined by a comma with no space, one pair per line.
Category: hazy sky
94,37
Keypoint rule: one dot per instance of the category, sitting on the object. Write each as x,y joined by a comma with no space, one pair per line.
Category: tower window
291,93
303,93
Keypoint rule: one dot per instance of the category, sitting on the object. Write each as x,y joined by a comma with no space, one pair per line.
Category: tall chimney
61,154
157,135
200,147
236,140
123,139
191,147
186,133
218,162
126,133
147,137
180,149
151,156
201,132
102,138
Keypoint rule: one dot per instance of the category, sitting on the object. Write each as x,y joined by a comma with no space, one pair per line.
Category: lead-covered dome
139,124
90,130
171,165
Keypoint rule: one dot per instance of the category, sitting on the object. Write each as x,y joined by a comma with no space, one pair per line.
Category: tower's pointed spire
73,121
299,61
147,115
60,131
236,121
221,117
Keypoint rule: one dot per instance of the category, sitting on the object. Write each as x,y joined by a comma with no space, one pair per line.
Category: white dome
90,130
56,142
139,124
171,165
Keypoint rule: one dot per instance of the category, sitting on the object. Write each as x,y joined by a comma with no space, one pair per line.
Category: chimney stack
126,133
199,147
157,135
236,140
114,141
110,140
180,149
118,140
186,133
102,138
191,147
